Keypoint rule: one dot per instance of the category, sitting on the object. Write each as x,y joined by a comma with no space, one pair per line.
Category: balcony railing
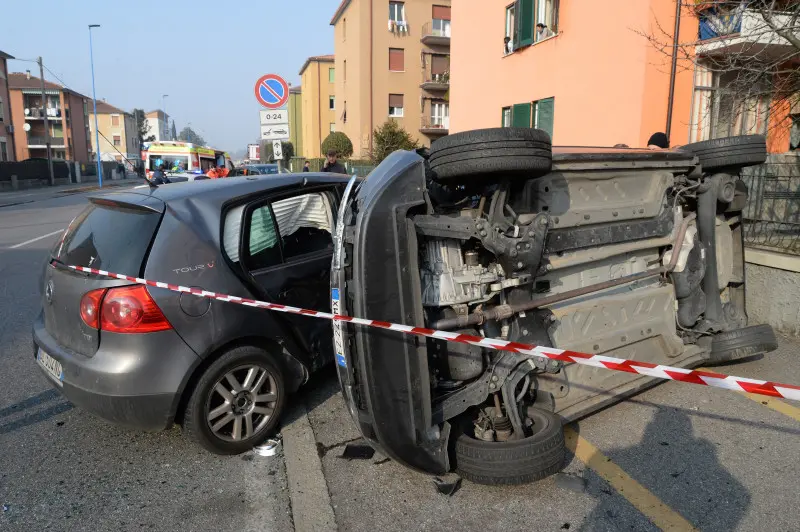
38,113
41,140
435,126
744,33
435,82
436,34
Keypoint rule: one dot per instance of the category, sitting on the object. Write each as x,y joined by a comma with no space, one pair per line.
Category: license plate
338,336
50,365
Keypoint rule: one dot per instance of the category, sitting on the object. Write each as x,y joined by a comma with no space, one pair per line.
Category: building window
396,59
85,108
344,29
440,115
529,21
505,121
441,21
117,140
330,75
3,151
332,128
397,12
2,115
543,115
396,105
344,71
720,110
115,120
331,102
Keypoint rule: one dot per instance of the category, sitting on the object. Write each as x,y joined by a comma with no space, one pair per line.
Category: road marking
775,404
308,491
32,240
640,497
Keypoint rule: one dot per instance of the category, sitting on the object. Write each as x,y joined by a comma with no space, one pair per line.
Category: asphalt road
675,457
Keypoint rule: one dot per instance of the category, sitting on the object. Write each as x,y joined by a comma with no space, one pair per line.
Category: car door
286,249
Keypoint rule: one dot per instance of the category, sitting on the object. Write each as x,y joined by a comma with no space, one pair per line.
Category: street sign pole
46,126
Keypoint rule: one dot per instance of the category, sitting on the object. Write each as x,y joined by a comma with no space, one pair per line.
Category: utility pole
46,125
94,103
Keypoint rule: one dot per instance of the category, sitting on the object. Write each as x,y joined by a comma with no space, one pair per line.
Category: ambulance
183,157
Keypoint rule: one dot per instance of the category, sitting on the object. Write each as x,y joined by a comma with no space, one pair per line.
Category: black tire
500,152
513,462
742,343
195,424
730,152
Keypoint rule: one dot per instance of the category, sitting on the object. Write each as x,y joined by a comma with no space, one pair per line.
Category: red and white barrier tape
706,378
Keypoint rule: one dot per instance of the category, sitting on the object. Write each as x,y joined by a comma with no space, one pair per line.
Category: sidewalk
16,197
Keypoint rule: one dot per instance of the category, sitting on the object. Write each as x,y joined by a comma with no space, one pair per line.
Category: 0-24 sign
278,116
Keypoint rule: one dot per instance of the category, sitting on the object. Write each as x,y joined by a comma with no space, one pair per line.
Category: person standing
658,141
332,165
306,167
542,32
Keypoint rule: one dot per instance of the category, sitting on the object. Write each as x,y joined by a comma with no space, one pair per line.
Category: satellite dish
27,112
26,127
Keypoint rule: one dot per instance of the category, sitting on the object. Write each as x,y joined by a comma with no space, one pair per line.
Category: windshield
265,168
170,163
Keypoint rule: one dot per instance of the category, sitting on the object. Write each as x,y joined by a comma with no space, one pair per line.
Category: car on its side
149,357
630,253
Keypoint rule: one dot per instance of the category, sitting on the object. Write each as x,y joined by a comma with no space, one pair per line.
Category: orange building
590,76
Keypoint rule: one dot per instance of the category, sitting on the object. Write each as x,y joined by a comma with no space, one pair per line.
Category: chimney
28,74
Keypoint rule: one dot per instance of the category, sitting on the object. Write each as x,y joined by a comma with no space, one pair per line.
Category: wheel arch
295,372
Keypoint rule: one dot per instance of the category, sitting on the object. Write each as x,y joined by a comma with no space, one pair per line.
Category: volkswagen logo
48,291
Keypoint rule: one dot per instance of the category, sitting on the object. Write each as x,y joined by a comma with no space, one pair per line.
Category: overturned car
636,254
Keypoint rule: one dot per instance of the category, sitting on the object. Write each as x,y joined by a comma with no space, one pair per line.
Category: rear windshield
108,238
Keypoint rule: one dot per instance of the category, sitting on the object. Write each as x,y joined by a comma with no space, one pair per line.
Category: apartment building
589,75
159,124
319,105
393,63
118,136
6,123
295,107
67,113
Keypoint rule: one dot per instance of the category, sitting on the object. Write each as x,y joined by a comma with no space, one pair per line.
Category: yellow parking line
640,497
775,404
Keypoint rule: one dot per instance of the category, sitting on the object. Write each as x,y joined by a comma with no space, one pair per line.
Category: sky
206,55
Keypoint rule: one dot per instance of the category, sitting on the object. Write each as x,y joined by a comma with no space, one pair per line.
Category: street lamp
166,119
94,101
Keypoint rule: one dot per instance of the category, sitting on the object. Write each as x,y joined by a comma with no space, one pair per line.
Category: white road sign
275,132
276,117
277,149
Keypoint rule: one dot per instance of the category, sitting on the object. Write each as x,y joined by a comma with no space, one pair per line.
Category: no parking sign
272,91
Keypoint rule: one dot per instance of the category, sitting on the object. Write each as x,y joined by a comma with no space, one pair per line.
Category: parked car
146,357
258,169
636,254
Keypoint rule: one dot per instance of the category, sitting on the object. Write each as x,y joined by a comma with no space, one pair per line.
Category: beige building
392,62
319,105
118,135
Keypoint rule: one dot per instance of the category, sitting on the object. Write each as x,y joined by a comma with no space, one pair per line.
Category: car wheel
730,152
505,152
741,343
513,462
237,401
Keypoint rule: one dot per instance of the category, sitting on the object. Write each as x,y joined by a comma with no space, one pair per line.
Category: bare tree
746,64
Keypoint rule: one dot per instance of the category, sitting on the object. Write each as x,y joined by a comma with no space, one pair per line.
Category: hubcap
241,403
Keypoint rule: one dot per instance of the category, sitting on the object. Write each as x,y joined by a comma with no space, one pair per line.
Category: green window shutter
521,115
524,20
545,110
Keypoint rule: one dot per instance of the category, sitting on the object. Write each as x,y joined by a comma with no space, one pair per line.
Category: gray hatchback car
147,357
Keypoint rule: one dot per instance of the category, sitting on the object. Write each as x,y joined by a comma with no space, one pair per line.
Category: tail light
127,309
90,307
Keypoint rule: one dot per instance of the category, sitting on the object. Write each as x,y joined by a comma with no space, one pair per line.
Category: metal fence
360,168
772,214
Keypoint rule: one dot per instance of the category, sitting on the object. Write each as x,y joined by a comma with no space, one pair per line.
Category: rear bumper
132,380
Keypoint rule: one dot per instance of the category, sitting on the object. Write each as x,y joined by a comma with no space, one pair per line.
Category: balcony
436,33
745,34
434,126
436,82
40,141
38,113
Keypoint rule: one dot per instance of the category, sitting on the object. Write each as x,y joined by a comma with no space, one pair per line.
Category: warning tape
705,378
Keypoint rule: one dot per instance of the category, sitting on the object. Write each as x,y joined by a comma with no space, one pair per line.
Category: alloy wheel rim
241,403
